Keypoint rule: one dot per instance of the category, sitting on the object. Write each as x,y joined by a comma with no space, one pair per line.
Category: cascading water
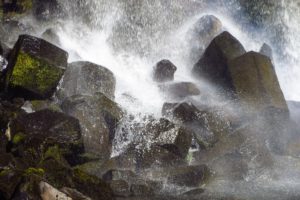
130,36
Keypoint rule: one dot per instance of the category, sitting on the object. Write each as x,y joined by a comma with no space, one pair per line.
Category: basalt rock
85,78
9,110
201,34
164,71
99,117
35,135
51,36
266,50
179,90
189,176
35,68
46,10
207,125
13,9
4,50
213,65
255,82
120,188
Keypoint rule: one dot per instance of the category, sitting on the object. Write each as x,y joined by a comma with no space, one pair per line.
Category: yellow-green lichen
18,138
53,152
34,74
34,171
84,177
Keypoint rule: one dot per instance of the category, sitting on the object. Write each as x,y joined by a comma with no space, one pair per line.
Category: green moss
53,152
5,172
40,105
84,177
26,5
18,138
34,74
34,171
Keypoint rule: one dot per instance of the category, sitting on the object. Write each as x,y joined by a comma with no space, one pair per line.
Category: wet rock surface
85,78
179,90
35,68
98,117
255,82
164,71
213,65
64,148
201,34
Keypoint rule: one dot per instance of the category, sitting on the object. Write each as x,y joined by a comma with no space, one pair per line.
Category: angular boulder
98,117
179,90
164,71
255,82
201,34
32,134
189,176
213,65
4,50
9,111
85,78
51,36
164,133
266,50
120,188
207,125
46,10
35,68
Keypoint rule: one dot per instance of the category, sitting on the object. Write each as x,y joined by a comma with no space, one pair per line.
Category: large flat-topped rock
255,82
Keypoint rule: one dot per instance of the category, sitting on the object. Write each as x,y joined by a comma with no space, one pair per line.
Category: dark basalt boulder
98,117
51,36
9,110
46,10
160,132
179,90
85,78
33,134
213,65
255,82
4,50
35,68
207,125
164,71
13,9
120,188
266,50
188,176
201,34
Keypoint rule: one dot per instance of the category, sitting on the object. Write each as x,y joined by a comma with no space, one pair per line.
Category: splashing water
129,37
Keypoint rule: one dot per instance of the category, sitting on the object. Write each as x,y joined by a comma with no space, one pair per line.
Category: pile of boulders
58,121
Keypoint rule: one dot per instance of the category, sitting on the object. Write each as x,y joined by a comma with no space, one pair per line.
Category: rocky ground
58,121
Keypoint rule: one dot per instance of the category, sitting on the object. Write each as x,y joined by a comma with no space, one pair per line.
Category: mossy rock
35,68
38,105
33,134
91,186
